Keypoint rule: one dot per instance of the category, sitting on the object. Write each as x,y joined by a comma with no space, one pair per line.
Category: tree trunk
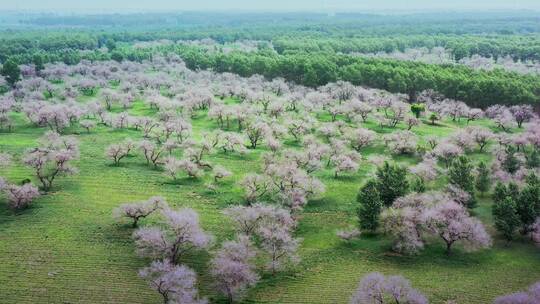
448,248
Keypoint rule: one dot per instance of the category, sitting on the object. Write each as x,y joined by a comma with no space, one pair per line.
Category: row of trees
376,288
518,47
464,34
477,88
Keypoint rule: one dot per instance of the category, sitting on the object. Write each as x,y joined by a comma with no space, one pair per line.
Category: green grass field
67,248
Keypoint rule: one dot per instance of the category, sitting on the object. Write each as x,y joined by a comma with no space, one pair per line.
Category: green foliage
37,60
460,174
370,206
111,45
433,117
499,193
12,72
417,109
510,163
528,203
483,180
513,191
533,158
117,56
391,182
418,185
505,217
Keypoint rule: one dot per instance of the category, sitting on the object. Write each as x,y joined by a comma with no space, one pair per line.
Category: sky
266,5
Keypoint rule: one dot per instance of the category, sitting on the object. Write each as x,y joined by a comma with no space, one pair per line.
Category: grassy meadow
67,248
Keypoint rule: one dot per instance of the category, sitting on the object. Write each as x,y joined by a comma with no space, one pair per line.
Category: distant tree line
477,88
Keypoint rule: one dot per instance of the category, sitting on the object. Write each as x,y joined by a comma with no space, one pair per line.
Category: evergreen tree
511,163
500,193
460,175
528,204
513,191
418,185
38,62
111,45
506,217
370,206
391,183
533,159
11,71
482,181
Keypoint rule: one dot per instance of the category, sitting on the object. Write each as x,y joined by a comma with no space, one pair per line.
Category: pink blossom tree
279,244
426,169
232,142
139,210
522,113
256,131
411,122
180,233
117,152
481,136
348,234
346,162
376,288
290,184
171,167
53,116
360,138
451,222
463,139
504,120
249,220
329,131
20,197
5,159
176,284
535,231
152,152
447,151
474,114
413,216
232,268
255,187
310,159
404,223
531,296
401,142
298,128
87,125
219,172
455,109
52,158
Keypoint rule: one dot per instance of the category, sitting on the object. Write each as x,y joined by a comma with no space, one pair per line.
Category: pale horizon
103,6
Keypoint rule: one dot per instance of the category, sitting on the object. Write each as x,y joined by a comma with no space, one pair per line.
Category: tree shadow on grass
184,181
378,249
346,178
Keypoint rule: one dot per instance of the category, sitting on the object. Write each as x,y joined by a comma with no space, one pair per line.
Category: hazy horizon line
108,11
